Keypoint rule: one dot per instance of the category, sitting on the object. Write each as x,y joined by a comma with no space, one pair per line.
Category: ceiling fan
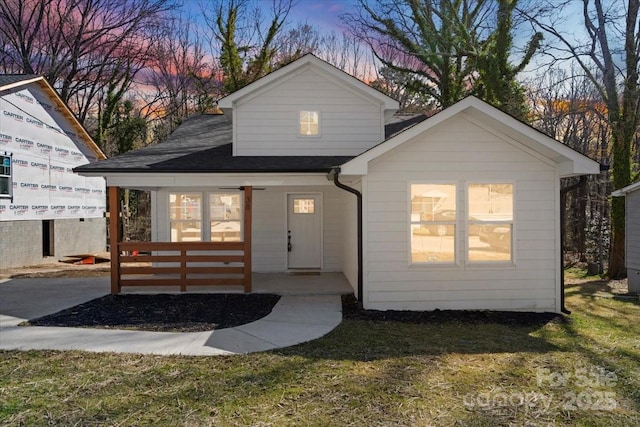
241,188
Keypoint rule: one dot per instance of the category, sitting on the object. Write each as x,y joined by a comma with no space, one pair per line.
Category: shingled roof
10,79
202,144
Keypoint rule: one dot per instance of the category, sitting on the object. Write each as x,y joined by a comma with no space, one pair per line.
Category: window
48,239
225,217
433,223
436,221
215,217
309,123
490,222
6,185
303,206
185,217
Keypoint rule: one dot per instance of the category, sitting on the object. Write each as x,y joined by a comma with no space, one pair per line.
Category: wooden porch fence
178,263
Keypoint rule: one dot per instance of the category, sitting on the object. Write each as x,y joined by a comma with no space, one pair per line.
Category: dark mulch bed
164,312
205,312
350,311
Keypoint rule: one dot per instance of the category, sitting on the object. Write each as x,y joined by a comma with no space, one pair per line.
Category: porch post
248,197
114,237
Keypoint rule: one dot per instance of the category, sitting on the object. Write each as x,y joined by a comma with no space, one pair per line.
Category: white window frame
209,221
181,220
205,212
7,157
462,226
468,223
300,124
456,224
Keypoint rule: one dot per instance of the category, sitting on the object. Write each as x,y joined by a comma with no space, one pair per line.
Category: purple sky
324,14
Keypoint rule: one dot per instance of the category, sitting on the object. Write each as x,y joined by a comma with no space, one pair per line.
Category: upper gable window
309,123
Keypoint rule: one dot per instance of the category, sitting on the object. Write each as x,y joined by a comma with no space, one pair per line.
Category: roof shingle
9,79
202,144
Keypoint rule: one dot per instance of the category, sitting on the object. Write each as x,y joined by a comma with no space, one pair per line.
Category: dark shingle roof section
203,144
9,79
394,128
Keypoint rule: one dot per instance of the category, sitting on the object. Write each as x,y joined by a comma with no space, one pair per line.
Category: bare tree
449,48
567,107
90,50
609,56
183,77
247,42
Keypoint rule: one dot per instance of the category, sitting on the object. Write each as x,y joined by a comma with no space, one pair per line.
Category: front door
304,227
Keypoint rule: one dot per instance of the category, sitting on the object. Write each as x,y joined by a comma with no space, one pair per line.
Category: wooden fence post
114,238
248,200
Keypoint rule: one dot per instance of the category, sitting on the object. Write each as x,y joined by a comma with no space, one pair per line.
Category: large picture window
6,185
490,222
433,223
437,220
214,217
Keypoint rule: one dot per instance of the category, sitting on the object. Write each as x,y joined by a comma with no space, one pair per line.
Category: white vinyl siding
633,230
460,151
269,229
269,124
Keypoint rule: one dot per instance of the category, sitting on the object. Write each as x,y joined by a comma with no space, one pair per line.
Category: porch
217,266
299,284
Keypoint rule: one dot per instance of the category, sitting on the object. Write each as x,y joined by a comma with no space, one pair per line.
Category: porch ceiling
154,181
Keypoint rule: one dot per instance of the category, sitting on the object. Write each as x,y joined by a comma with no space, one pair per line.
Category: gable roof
626,190
12,81
571,162
202,144
308,61
8,81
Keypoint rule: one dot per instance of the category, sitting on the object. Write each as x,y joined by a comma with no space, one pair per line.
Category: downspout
563,202
336,175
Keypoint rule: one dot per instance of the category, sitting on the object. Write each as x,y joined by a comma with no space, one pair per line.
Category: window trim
172,221
411,223
9,195
209,221
299,124
512,222
462,223
205,212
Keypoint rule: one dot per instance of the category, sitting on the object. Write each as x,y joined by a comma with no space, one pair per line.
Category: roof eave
626,190
570,162
106,172
44,84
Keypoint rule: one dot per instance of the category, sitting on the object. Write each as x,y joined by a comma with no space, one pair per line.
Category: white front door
304,231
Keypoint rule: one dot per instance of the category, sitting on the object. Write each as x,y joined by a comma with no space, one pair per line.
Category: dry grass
582,371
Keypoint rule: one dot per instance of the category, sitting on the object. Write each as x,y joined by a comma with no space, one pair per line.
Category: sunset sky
323,14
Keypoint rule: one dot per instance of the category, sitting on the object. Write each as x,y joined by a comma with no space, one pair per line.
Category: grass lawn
582,371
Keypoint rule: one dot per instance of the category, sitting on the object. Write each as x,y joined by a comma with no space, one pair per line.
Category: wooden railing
182,264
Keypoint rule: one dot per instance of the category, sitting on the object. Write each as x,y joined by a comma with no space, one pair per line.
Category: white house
302,172
631,193
46,210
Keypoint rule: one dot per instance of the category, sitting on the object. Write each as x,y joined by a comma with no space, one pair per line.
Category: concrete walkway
294,319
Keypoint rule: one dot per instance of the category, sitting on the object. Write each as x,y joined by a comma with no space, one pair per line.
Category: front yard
582,371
